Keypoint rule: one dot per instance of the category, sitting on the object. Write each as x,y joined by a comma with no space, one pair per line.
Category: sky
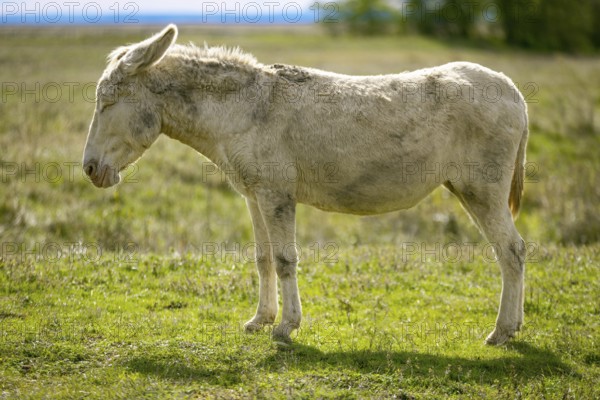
179,6
119,11
164,6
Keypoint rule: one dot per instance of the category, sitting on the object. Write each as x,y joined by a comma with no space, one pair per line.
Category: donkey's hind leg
488,206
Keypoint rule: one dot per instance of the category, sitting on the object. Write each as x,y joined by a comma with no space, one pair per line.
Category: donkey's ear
147,53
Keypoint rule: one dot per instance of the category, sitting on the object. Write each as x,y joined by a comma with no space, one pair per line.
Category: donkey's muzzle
90,168
102,176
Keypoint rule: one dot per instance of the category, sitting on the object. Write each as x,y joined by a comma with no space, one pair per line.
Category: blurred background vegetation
547,25
167,203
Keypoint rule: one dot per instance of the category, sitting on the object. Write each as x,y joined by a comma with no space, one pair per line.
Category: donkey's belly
365,197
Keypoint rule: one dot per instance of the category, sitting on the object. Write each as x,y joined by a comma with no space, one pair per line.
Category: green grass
377,324
139,291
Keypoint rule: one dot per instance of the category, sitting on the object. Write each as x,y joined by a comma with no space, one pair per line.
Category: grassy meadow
141,291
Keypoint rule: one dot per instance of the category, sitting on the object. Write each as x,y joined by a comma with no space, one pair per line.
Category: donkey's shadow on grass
530,362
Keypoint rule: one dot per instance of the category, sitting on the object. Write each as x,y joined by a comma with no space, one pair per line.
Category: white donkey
382,143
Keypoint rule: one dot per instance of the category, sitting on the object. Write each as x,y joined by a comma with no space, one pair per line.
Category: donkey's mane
230,55
221,54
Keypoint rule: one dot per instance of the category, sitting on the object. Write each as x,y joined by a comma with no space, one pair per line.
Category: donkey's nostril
90,168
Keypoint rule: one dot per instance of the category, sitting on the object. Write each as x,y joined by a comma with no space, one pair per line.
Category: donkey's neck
202,100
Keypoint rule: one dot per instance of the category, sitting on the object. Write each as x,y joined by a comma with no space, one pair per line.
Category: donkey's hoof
252,326
281,333
499,336
258,322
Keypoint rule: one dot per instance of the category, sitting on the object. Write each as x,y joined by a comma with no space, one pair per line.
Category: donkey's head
127,119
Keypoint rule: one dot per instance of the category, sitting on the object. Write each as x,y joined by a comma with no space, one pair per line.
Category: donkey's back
384,142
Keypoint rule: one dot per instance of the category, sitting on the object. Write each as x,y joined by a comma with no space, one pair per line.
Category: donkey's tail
516,186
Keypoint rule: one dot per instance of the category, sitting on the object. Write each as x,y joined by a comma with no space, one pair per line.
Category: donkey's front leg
267,303
279,214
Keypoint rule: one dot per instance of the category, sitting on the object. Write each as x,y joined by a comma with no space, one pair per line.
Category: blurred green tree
596,23
550,24
449,18
369,17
